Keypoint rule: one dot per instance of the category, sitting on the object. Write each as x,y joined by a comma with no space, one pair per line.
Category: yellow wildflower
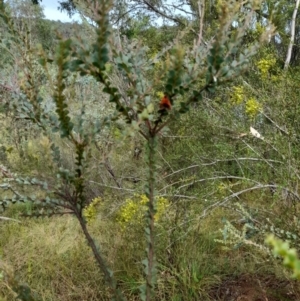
264,66
133,210
252,107
237,96
90,211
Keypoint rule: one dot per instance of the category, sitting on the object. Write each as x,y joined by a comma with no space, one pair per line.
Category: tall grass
52,256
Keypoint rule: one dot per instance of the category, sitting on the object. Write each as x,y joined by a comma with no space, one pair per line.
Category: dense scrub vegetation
147,152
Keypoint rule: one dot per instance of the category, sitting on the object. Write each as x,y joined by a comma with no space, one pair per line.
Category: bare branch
201,7
224,201
9,219
112,187
161,13
275,124
293,25
209,179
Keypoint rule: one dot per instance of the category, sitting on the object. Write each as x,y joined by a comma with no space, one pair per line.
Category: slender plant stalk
150,231
108,275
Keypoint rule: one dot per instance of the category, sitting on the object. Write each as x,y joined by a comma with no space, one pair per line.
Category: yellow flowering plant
253,107
237,96
90,211
133,211
264,66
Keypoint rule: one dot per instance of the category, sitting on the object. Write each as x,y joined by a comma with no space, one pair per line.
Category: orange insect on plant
165,103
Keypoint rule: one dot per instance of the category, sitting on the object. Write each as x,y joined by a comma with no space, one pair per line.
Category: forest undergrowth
148,161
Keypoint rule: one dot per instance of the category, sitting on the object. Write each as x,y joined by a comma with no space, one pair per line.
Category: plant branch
291,44
108,275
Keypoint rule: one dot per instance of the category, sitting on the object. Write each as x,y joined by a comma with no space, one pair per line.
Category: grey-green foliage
250,230
188,72
243,233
